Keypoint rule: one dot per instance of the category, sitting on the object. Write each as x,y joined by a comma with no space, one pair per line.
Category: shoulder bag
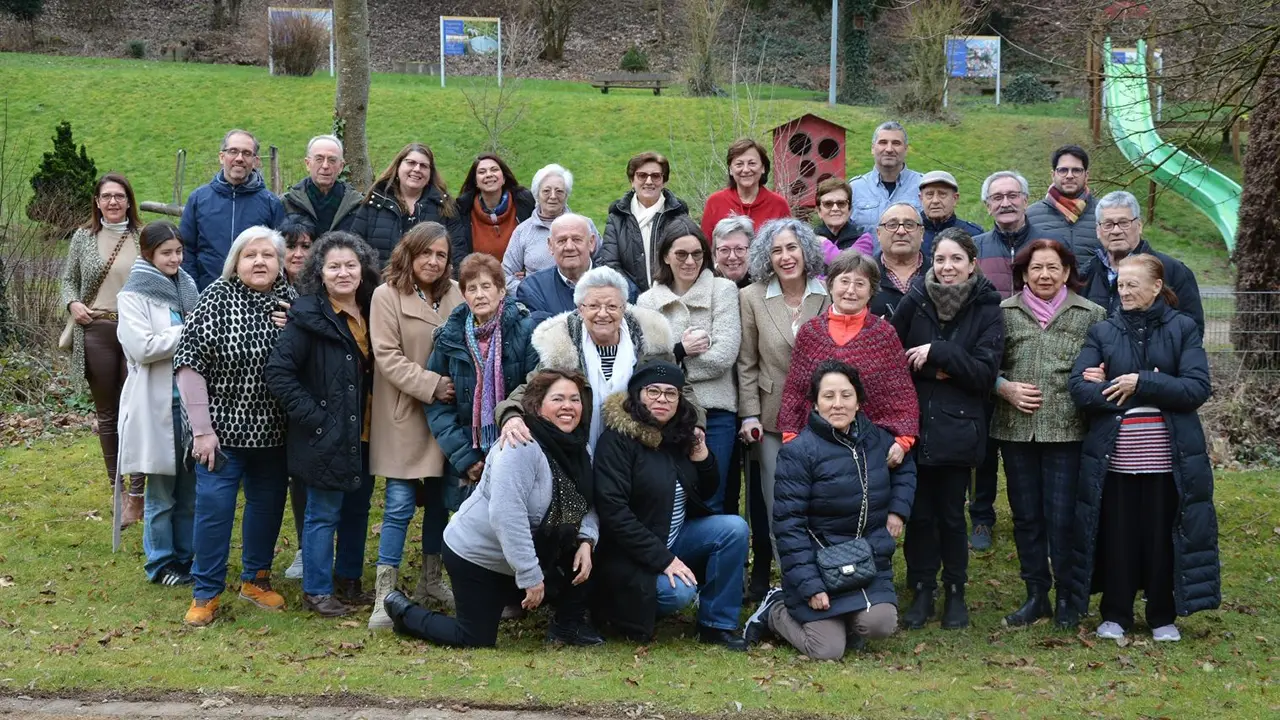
67,338
850,565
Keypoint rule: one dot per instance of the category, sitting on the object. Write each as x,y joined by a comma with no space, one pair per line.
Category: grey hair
238,131
548,171
759,256
322,138
986,184
600,277
567,218
1118,198
919,217
730,225
311,278
893,125
257,232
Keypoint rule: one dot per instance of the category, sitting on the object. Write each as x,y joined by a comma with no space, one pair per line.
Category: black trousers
480,594
936,533
1041,480
1135,547
985,487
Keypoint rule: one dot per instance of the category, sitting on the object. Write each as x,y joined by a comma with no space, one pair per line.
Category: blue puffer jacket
451,422
215,214
817,489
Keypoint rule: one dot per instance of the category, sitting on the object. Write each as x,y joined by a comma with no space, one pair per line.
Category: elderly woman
99,260
153,305
661,545
702,310
835,202
491,204
406,312
848,332
1144,515
636,220
322,371
237,425
834,486
529,251
746,195
731,241
785,263
951,325
1038,427
526,534
411,190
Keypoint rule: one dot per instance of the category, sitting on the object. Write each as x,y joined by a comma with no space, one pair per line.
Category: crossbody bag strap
102,276
862,476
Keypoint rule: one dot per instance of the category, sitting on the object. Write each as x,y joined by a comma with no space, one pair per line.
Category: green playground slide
1127,103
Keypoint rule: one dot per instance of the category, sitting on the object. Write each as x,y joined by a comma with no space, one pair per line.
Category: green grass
134,116
74,617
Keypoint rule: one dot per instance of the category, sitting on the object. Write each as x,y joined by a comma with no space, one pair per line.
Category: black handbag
850,565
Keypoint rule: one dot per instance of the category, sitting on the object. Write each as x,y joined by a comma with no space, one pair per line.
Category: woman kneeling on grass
527,532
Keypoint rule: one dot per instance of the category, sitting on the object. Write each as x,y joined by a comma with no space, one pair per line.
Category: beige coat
765,357
710,305
402,329
149,338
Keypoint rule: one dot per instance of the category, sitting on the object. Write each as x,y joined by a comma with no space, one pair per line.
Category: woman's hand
895,525
896,455
1121,389
515,432
1024,396
444,391
699,451
80,313
918,356
751,431
695,341
204,448
474,472
582,563
820,602
280,316
677,569
533,596
1096,374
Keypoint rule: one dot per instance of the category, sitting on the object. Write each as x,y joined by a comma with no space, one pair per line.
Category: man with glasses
900,235
1069,207
1119,229
235,200
1005,194
939,194
888,182
550,292
321,201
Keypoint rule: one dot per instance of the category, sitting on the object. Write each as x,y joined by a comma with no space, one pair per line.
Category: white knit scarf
623,365
646,218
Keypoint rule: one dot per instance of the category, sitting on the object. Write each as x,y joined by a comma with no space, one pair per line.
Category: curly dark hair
677,434
311,279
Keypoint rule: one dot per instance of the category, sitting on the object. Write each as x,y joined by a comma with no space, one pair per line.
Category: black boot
1037,606
1066,616
727,639
921,610
954,613
397,604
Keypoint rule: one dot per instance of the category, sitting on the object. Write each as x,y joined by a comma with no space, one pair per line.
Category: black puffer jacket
623,245
953,415
635,492
1163,346
323,382
381,223
1099,288
818,490
460,236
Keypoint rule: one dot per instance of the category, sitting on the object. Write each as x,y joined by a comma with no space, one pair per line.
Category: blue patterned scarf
490,386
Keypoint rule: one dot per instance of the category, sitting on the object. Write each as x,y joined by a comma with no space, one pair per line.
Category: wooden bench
638,81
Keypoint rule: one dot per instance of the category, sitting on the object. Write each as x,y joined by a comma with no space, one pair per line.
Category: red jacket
769,205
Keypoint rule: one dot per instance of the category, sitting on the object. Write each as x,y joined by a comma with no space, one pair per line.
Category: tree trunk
351,104
1255,329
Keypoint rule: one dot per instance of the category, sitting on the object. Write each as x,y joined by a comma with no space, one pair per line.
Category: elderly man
1119,229
730,241
890,181
549,292
1069,208
321,201
939,193
1005,194
899,235
234,201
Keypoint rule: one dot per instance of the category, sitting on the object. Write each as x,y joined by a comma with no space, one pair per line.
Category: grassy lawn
135,115
75,617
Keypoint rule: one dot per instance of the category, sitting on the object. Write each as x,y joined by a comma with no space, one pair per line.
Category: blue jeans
170,510
722,429
715,548
400,505
345,514
266,482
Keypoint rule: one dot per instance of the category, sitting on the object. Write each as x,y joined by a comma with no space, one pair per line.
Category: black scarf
555,540
566,449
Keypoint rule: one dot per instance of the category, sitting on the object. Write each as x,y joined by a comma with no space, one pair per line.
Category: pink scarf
1043,310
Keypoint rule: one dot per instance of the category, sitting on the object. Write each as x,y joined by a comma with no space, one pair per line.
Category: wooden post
179,172
275,171
1151,202
1094,67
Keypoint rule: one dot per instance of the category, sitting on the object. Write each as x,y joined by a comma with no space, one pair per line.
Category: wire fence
1242,331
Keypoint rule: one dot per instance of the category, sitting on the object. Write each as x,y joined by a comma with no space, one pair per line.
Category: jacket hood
558,339
252,184
455,328
622,205
855,434
617,418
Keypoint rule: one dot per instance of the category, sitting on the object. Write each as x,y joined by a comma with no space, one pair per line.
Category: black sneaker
579,633
757,626
174,575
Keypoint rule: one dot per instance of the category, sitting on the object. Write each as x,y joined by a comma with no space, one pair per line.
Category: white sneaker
1167,633
1110,631
295,570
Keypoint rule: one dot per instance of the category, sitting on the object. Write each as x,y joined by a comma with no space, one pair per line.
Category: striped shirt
1142,445
608,353
677,515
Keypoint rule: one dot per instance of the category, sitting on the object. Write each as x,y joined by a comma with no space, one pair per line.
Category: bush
25,10
299,43
634,60
1027,89
923,34
63,183
137,49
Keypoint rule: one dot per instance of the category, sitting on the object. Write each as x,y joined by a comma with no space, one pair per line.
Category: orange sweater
488,237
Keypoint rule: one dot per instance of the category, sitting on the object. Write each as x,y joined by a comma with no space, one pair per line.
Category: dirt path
218,708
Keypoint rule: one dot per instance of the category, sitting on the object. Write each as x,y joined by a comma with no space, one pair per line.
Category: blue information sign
455,37
957,65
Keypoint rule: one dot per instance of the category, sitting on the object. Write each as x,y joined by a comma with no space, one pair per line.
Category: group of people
574,412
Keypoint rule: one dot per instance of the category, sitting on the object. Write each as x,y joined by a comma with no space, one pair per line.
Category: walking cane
117,510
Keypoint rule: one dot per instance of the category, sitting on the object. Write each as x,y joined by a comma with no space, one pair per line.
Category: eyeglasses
1006,197
648,177
595,308
326,159
684,256
834,204
1070,171
552,192
113,197
1109,225
653,392
236,152
415,165
896,225
731,252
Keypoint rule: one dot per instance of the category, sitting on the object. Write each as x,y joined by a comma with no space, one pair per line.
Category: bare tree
554,18
702,18
226,13
498,109
351,104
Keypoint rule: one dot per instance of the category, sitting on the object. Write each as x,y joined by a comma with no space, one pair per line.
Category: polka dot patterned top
227,339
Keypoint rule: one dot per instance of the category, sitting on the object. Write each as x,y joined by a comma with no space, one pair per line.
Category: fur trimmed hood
617,419
558,339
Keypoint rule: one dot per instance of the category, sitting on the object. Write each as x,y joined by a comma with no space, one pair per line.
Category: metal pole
499,52
441,51
835,27
999,62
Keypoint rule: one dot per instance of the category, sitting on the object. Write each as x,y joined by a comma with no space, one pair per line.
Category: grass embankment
133,116
75,617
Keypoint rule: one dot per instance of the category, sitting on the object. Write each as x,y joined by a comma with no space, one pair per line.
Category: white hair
569,218
257,232
600,277
1116,199
986,184
730,225
892,125
548,171
325,138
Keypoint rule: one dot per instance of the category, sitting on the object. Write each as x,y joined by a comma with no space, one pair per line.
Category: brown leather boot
133,510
